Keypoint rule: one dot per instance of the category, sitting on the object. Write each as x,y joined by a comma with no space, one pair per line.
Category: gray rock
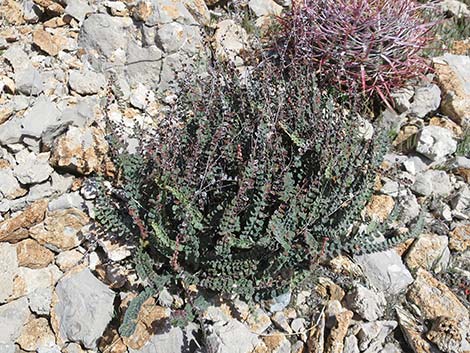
42,114
264,7
78,9
175,340
104,33
280,302
144,65
86,82
461,200
9,269
61,183
175,37
9,186
459,162
366,303
279,319
28,81
402,98
385,271
12,318
69,200
351,345
434,182
455,7
410,208
391,188
225,336
372,335
167,11
7,348
10,132
17,57
40,300
84,308
415,165
165,298
426,100
435,142
390,348
391,121
31,11
32,168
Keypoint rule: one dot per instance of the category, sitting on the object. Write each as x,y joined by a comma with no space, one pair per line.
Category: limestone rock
366,303
32,168
265,7
446,334
40,117
434,182
28,280
83,309
15,228
372,334
230,40
12,318
426,100
28,81
9,268
435,299
9,186
427,252
274,343
78,9
159,12
86,82
150,315
334,343
435,142
60,229
68,259
174,340
35,334
225,336
49,43
385,271
459,238
453,75
380,207
412,332
80,150
31,254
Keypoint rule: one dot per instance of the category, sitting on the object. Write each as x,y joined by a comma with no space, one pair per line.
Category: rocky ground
67,64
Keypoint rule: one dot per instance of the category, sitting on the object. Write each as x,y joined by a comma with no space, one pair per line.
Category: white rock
12,318
9,186
426,100
78,9
435,142
32,168
432,182
39,117
265,7
226,336
366,303
86,82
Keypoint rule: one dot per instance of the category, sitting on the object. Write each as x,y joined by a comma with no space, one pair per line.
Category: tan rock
49,43
9,84
334,343
35,334
111,342
67,260
80,150
5,112
12,12
230,40
328,289
258,321
31,254
60,229
412,332
453,81
406,137
55,22
15,229
464,173
51,6
435,299
380,207
150,317
446,334
446,124
426,251
344,265
143,11
272,343
316,338
459,238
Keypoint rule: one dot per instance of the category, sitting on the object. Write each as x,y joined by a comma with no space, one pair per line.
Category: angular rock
446,335
78,9
15,228
412,332
453,75
428,252
415,165
86,82
258,321
410,208
230,40
80,150
9,186
104,34
435,182
380,207
9,269
426,100
455,7
17,57
385,271
32,168
28,280
145,65
366,303
279,319
28,81
159,12
435,142
175,340
435,299
35,334
83,309
60,229
225,336
12,318
372,334
10,132
265,7
31,254
274,343
461,201
49,43
401,98
334,343
351,345
40,117
68,259
40,300
459,238
175,37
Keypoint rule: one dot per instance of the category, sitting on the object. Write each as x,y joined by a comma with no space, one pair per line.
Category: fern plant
248,182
